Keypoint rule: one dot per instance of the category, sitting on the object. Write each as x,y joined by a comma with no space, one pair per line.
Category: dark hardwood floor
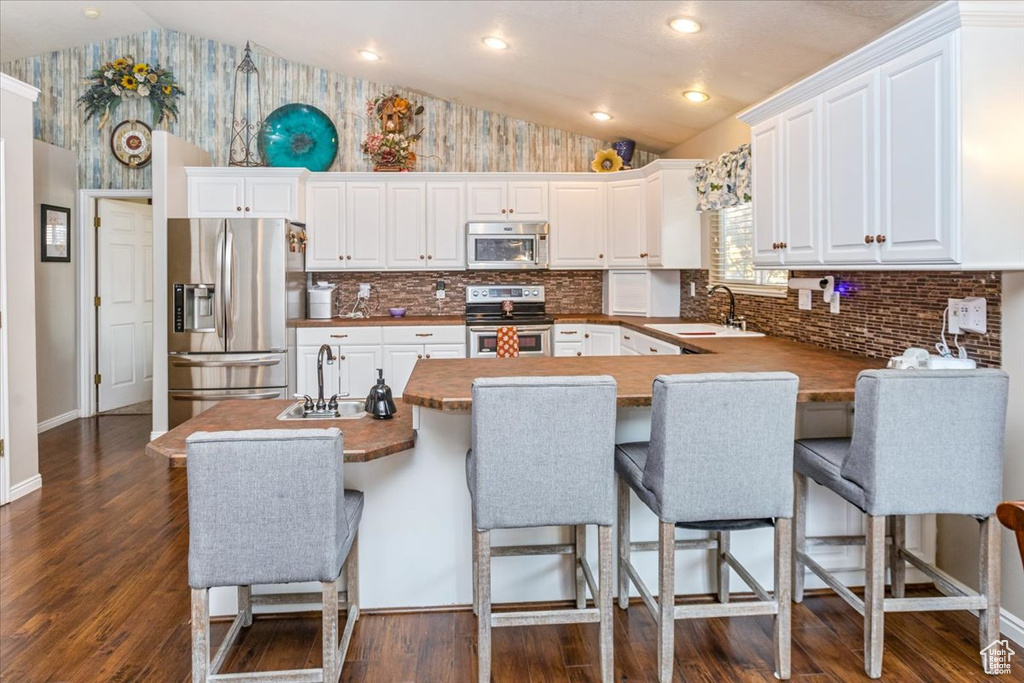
93,588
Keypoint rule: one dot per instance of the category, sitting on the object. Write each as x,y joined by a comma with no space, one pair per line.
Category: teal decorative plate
299,135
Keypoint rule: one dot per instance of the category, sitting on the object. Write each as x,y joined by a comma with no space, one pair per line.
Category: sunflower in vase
126,78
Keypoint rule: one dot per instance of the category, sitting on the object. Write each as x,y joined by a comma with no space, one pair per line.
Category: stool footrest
839,540
728,609
832,582
682,544
958,602
547,617
547,549
279,599
748,579
294,676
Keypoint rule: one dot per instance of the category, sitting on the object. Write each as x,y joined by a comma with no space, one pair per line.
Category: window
732,254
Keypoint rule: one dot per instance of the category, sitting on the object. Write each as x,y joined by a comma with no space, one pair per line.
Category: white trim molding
23,488
19,88
992,14
1011,626
59,420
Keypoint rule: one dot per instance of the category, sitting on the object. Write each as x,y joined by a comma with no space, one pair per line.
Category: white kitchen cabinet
272,197
627,237
306,376
406,225
672,227
765,179
601,340
357,368
232,193
346,226
365,210
647,293
801,221
578,225
325,226
849,181
649,346
570,348
446,225
399,360
444,351
653,220
358,355
507,200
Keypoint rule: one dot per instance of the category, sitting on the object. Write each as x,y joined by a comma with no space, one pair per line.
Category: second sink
697,330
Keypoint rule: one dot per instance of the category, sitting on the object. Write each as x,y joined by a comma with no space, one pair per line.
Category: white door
849,179
626,236
528,201
602,340
399,360
357,367
446,225
487,201
365,225
406,220
306,377
577,225
801,224
325,226
653,203
216,197
4,462
918,143
272,197
124,264
766,179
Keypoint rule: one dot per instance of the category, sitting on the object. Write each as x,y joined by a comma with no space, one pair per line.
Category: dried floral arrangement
126,78
390,147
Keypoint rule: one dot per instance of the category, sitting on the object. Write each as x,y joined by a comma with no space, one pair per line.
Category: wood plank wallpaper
455,138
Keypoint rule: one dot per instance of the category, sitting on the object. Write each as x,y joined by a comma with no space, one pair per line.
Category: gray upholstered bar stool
924,442
270,506
720,459
542,452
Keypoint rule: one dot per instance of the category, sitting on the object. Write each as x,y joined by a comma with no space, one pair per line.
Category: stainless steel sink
698,330
347,410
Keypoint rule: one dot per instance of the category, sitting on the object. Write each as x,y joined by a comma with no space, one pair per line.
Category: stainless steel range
489,307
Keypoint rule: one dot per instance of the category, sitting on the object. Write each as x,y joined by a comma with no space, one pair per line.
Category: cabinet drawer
570,332
628,340
425,334
649,346
337,335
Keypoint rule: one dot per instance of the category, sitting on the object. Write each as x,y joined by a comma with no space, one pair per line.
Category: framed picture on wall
55,233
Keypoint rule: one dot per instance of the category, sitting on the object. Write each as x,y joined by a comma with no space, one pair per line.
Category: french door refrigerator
233,286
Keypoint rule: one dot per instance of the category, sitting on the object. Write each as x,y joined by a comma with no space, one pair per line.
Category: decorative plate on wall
132,143
299,135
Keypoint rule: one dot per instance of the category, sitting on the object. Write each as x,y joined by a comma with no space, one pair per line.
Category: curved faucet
321,404
730,319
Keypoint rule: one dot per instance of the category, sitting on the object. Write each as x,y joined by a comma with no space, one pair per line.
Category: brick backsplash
881,313
566,291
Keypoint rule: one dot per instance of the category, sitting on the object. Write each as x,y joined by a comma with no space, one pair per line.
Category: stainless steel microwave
507,246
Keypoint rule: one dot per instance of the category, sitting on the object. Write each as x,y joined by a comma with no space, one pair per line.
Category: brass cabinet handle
626,336
419,355
338,336
424,334
643,254
586,336
349,257
880,238
342,357
783,245
504,211
600,256
868,239
341,257
421,257
428,355
654,350
775,245
568,332
430,256
511,210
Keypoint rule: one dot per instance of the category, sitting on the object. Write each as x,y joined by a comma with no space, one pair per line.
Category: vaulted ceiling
565,58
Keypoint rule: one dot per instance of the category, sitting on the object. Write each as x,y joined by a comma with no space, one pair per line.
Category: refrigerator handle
229,243
218,289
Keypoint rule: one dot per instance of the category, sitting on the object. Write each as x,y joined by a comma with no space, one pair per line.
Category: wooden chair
1011,514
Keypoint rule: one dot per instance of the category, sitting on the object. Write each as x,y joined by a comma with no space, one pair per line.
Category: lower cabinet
400,359
633,343
586,340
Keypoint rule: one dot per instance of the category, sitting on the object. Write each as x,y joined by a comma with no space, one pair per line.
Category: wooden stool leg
604,602
331,666
799,534
988,564
897,567
623,529
723,567
874,594
666,599
579,539
200,635
783,619
245,604
483,620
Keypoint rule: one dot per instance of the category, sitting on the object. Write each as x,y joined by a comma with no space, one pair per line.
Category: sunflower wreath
126,78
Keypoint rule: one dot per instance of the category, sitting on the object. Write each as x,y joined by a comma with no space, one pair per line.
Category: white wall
724,136
55,170
19,266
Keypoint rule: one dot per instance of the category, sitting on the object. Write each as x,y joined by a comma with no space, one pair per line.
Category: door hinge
96,221
1,448
97,378
96,301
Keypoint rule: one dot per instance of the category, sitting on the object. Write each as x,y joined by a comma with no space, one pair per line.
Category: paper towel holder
826,284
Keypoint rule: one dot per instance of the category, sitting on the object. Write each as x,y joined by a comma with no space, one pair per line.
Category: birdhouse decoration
390,147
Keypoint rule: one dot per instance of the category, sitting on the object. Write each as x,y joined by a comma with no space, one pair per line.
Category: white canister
321,301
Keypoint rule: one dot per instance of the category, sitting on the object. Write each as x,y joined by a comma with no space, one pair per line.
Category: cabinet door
325,226
766,179
653,208
570,348
577,225
357,368
626,236
487,201
216,197
444,350
272,198
801,223
364,222
406,219
918,147
399,360
446,225
849,180
305,375
528,201
602,340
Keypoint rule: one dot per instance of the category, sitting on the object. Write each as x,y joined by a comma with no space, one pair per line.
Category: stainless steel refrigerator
233,286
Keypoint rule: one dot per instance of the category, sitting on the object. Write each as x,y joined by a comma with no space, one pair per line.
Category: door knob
880,238
421,257
238,208
643,254
511,210
247,208
503,211
868,239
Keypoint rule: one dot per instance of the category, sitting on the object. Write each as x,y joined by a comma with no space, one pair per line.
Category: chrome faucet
321,404
730,320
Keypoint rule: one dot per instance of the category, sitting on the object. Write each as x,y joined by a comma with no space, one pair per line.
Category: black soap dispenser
379,402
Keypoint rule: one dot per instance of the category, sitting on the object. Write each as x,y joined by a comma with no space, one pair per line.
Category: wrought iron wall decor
247,114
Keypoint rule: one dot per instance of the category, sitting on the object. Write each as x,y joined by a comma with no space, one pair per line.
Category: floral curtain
725,181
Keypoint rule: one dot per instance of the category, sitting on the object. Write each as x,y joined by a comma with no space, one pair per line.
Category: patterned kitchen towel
508,342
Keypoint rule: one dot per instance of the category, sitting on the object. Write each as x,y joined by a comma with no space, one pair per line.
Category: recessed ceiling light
684,25
369,55
495,43
91,13
696,96
601,115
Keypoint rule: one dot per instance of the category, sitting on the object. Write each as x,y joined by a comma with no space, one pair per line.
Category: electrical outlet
439,293
805,299
693,289
833,305
439,289
364,290
973,314
953,316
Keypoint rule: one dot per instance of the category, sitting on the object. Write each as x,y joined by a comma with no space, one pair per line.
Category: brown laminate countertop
445,384
382,321
366,439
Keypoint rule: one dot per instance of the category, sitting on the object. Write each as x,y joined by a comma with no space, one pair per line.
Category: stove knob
476,293
484,293
536,292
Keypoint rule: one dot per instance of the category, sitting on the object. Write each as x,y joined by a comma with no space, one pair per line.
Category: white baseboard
1012,627
46,425
153,436
23,488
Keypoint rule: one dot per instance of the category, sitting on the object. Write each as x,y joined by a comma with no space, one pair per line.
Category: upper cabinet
626,228
507,200
446,225
345,225
426,226
898,155
578,225
245,193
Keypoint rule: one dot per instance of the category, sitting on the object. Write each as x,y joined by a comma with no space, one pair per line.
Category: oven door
505,252
534,340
